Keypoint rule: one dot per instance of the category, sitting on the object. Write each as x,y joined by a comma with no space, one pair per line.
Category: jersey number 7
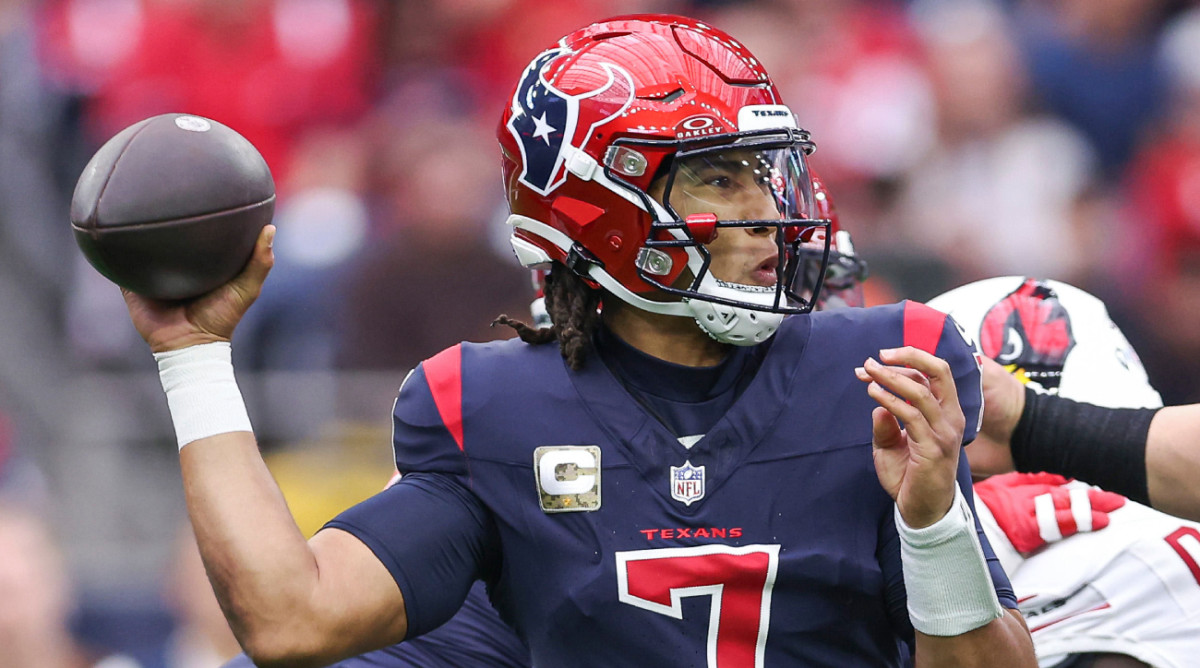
739,580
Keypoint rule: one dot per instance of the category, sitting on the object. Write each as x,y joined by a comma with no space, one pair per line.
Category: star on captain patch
687,483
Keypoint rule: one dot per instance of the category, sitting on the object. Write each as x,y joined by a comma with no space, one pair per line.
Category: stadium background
961,139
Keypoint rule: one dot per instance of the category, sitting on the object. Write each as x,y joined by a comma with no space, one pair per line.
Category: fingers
936,369
261,260
1105,502
919,377
1075,510
888,451
891,390
886,430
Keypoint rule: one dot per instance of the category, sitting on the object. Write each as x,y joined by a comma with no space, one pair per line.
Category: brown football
170,207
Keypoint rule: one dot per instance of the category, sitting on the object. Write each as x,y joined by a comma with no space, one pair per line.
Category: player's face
733,185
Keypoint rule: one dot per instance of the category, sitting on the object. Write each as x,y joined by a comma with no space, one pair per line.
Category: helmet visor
759,183
741,185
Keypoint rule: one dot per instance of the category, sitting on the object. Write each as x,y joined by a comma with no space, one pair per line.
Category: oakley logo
697,126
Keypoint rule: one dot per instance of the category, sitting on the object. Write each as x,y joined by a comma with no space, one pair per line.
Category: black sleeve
1101,446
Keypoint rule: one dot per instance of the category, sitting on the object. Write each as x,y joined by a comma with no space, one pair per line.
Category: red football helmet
631,142
844,272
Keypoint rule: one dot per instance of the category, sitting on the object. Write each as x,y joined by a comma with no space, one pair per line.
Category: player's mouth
765,273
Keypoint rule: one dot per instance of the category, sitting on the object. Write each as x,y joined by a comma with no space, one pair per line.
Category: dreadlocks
572,306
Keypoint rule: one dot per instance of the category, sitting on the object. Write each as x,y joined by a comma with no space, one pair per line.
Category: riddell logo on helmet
698,126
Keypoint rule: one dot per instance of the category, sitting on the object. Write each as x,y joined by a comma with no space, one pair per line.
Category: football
170,207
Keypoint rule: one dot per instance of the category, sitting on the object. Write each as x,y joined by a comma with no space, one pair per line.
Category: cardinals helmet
629,144
1053,337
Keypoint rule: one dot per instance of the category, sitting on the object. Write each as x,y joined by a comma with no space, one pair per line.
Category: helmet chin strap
737,325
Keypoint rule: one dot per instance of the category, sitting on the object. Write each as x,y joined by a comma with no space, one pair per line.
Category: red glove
1035,509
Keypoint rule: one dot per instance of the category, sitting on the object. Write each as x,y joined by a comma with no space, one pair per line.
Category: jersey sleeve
937,333
427,417
434,536
1004,589
475,636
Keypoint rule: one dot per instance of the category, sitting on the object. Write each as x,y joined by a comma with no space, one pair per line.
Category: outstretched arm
1173,461
951,600
288,601
1163,446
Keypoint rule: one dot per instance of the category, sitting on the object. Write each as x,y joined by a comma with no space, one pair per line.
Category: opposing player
1118,597
1150,455
648,491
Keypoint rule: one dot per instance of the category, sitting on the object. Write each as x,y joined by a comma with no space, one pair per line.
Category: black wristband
1101,446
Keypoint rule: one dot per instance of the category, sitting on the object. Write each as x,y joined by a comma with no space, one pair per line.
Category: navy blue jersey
605,541
475,637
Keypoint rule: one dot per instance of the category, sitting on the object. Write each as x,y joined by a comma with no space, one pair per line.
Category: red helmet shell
647,77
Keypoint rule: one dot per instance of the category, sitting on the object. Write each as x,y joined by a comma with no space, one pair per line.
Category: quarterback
693,476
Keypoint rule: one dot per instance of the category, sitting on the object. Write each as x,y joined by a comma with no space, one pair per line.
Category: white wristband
949,586
202,394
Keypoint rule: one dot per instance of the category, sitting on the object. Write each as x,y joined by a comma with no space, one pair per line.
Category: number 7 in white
739,580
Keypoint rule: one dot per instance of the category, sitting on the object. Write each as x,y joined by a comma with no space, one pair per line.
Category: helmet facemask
752,183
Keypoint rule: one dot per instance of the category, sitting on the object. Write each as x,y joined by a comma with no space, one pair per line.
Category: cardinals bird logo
1029,331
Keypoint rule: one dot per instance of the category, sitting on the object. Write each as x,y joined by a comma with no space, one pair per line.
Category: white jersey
1132,588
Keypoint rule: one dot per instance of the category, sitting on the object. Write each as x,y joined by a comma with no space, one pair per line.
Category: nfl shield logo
687,483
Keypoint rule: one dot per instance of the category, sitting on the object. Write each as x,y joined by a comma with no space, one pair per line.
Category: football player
1128,595
1147,454
689,477
475,635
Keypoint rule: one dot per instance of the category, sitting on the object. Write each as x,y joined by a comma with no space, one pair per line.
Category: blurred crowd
962,139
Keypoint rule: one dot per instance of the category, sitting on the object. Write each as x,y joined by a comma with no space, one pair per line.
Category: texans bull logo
545,121
1029,331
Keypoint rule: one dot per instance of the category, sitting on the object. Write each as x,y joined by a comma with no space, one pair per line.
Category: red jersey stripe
922,326
443,372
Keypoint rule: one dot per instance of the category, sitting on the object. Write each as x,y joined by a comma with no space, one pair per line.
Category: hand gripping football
171,206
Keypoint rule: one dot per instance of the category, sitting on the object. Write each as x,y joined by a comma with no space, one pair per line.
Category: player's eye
720,181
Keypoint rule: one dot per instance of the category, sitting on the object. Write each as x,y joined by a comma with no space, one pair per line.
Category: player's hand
171,325
1035,509
917,464
1003,401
